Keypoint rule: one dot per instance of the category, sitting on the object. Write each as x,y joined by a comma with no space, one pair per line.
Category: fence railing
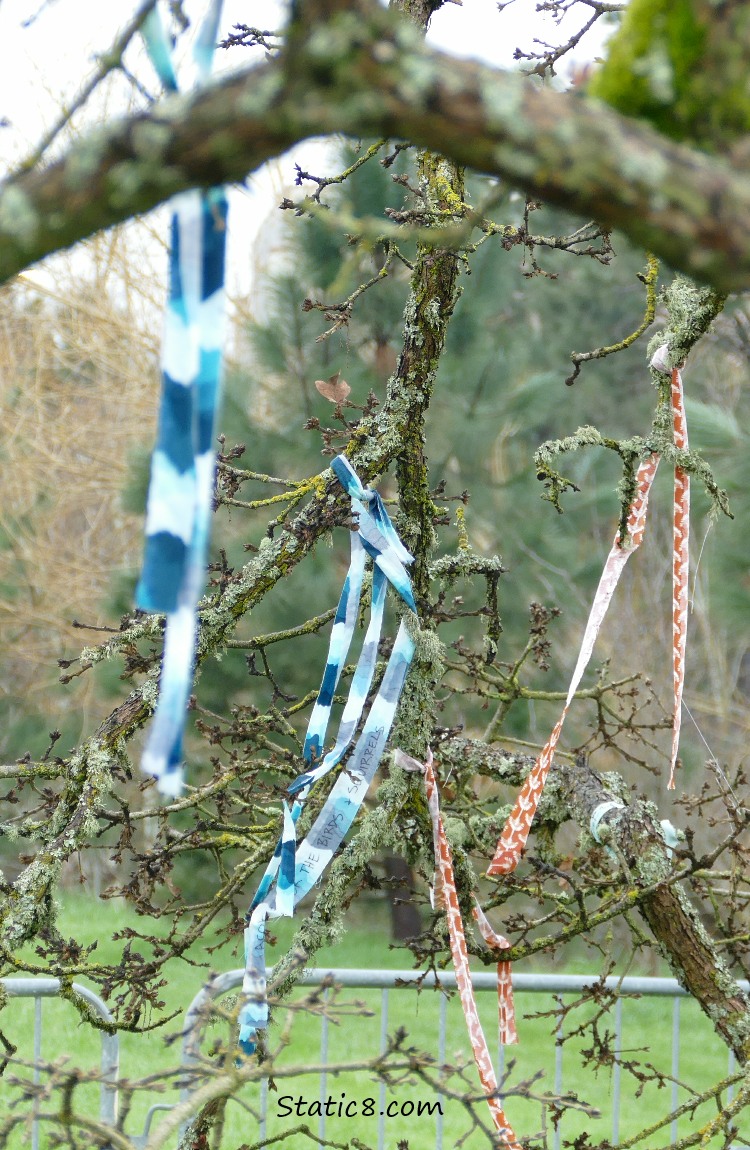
387,982
39,988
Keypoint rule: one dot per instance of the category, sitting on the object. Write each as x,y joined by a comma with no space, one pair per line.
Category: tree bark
406,921
371,75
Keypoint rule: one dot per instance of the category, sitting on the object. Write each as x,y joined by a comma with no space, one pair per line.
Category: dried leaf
334,389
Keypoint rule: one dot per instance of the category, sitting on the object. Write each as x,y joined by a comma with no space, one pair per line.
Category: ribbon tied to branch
295,869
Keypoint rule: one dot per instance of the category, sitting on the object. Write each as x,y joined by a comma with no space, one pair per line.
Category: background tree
462,394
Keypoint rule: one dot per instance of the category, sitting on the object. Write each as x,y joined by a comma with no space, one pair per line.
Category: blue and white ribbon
182,467
294,870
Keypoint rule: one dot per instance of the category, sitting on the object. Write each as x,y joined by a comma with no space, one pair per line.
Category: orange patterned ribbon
513,839
506,1014
446,889
516,831
680,565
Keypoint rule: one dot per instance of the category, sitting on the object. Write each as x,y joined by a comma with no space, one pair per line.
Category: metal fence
389,983
39,988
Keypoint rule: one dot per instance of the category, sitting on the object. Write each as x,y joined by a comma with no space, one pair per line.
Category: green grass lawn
354,1037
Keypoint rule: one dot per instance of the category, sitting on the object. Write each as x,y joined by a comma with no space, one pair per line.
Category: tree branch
674,922
632,831
367,73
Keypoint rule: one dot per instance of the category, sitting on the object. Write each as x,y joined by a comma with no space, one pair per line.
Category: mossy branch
556,484
649,278
692,310
653,876
369,74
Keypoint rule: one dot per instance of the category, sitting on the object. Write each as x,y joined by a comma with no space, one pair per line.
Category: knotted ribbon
295,869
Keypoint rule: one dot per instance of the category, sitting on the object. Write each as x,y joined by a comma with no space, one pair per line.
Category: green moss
650,64
682,64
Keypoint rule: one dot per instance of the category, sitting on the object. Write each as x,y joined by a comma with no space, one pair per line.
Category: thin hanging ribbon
506,1011
516,831
507,1032
182,468
680,566
294,870
445,888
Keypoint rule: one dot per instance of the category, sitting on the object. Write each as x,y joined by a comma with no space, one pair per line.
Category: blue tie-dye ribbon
173,576
294,870
182,468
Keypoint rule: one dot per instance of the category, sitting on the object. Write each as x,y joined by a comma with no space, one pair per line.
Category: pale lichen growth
18,217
